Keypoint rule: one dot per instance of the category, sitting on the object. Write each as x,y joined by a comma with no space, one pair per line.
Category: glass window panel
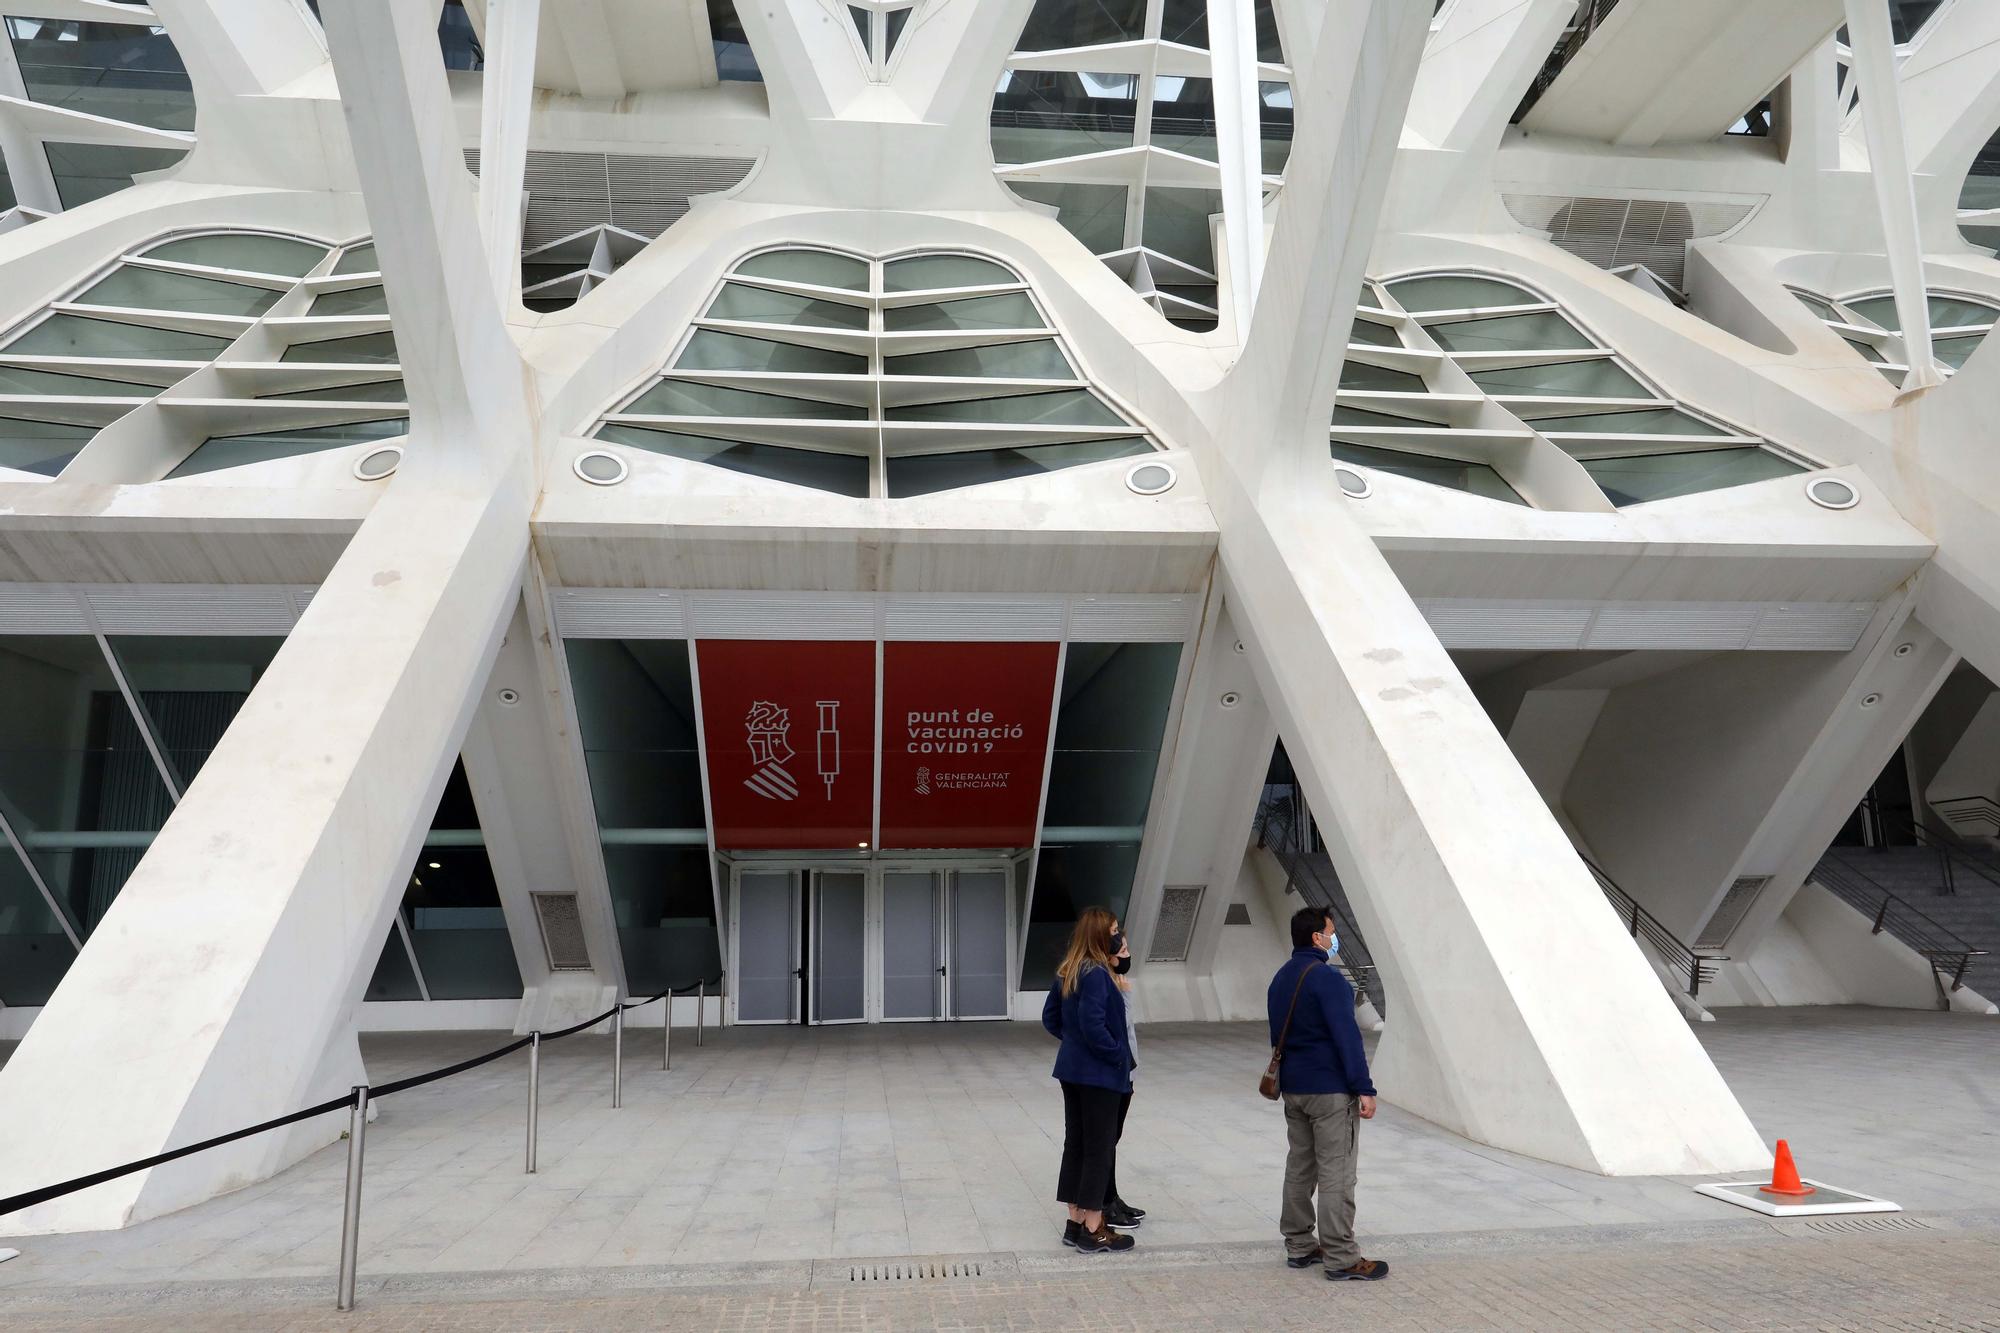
684,398
842,474
898,20
1069,878
192,686
40,446
1358,416
922,273
34,952
1953,352
81,789
1631,481
1038,360
1056,24
664,904
357,259
364,349
1370,334
75,335
1472,478
284,256
1450,292
1655,421
452,908
1070,407
1177,225
226,451
7,200
821,268
1602,378
393,978
1358,375
460,46
1867,350
860,18
1094,214
736,301
1269,49
17,379
1275,122
150,289
1946,311
734,60
122,71
1908,17
88,171
1542,332
1184,116
1824,309
708,349
374,391
353,301
1185,22
923,474
1009,310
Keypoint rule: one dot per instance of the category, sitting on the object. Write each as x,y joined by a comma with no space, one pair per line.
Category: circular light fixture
1905,649
600,467
1231,699
379,463
1832,493
508,697
1871,700
1352,484
1151,479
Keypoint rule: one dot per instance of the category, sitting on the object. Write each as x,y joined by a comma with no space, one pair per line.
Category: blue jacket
1090,1023
1323,1052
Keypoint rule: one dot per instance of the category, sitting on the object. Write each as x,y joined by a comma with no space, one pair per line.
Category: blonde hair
1089,942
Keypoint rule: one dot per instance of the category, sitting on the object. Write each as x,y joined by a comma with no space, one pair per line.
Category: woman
1086,1012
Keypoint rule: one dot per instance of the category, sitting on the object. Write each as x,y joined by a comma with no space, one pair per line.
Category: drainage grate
1849,1226
916,1270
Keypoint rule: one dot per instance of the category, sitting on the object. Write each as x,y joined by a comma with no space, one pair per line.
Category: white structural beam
506,96
1874,47
221,987
1490,933
1232,44
1478,66
239,48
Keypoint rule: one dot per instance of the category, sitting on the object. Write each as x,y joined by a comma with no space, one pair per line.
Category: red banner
965,732
789,731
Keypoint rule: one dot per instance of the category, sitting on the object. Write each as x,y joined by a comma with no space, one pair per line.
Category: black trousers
1090,1141
1111,1194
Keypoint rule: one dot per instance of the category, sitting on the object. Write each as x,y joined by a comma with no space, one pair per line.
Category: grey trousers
1324,1132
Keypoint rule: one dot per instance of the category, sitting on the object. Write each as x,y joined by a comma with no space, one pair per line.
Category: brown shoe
1305,1260
1103,1241
1367,1270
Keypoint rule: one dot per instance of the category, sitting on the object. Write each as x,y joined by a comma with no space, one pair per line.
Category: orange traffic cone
1785,1176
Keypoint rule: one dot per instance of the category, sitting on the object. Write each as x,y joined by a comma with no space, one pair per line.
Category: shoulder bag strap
1286,1030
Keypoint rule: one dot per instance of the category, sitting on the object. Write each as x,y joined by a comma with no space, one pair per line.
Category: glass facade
89,171
121,71
1109,727
636,717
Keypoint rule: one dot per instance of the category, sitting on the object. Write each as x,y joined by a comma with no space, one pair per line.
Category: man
1323,1077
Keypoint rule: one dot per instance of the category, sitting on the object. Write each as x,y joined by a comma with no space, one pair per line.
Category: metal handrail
1953,852
1947,954
1279,833
1696,967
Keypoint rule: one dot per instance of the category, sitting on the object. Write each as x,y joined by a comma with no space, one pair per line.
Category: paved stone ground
779,1148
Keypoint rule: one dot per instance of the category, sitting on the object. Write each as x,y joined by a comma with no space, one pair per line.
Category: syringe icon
829,743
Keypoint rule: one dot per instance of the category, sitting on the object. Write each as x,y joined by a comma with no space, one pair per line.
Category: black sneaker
1120,1206
1102,1241
1071,1230
1367,1270
1116,1216
1304,1260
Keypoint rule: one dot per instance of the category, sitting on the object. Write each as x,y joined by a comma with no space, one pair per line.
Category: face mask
1333,942
1122,965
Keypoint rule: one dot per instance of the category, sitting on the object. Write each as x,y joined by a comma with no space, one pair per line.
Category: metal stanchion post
350,1222
618,1057
534,1093
700,1006
667,1034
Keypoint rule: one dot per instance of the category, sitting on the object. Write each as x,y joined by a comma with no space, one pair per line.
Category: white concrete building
512,506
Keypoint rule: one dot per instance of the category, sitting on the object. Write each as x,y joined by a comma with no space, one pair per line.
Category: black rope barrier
14,1203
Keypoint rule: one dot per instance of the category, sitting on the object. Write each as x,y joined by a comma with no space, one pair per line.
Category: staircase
1950,890
1284,830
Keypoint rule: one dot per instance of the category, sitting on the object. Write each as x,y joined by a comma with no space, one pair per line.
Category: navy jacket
1323,1052
1090,1023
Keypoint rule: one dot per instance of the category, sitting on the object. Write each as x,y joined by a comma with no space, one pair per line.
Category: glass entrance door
978,970
839,930
913,969
767,946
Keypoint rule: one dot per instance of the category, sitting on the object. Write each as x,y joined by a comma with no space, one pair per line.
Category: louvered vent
1180,904
1729,915
562,932
619,613
572,192
973,620
1611,232
1137,620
